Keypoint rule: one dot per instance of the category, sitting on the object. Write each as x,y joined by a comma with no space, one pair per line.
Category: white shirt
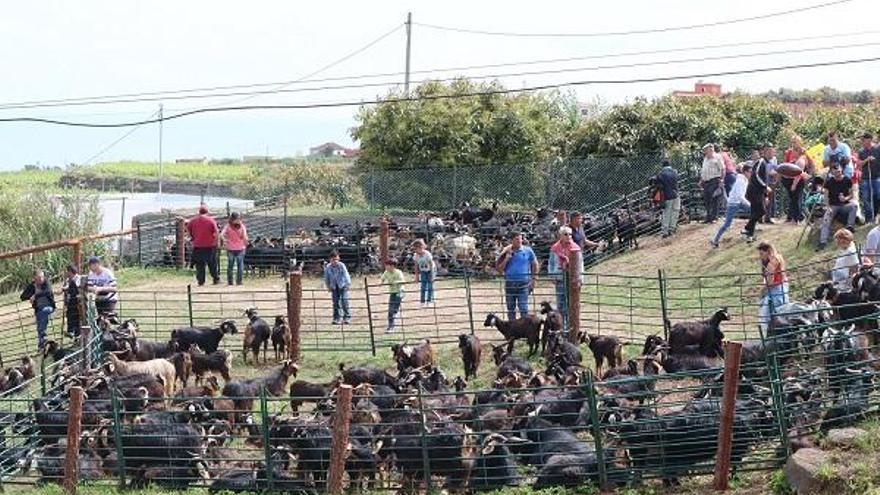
713,168
872,244
738,191
840,274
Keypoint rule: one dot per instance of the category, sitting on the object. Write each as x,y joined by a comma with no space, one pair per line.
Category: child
815,198
395,280
337,280
425,271
71,300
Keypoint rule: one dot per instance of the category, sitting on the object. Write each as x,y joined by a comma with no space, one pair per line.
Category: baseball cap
93,259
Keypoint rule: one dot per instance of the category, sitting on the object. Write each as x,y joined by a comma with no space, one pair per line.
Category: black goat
281,337
219,362
605,349
495,467
257,333
508,365
674,363
367,374
207,338
528,327
145,350
553,322
706,334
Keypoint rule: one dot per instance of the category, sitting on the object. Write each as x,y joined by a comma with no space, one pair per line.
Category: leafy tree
443,128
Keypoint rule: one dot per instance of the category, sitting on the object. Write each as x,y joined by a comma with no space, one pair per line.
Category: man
203,231
39,293
868,160
711,177
736,202
563,252
668,182
520,267
102,283
837,150
338,282
579,236
758,188
772,180
839,197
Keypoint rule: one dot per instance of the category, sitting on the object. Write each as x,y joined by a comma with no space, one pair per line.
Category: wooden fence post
294,313
573,279
339,444
732,355
77,253
181,243
74,426
383,239
84,325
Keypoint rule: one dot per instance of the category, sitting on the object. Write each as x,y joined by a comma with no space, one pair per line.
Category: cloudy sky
53,50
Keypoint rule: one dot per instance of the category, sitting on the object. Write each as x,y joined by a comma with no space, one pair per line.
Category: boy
338,281
71,300
425,270
395,280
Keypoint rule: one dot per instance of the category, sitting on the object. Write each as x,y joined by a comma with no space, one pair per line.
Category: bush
309,184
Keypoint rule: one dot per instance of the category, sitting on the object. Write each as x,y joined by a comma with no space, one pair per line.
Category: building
333,149
700,89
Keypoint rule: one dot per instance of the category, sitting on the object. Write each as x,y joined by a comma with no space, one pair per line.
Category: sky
60,50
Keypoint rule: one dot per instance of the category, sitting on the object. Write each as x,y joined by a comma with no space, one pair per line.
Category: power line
638,31
251,94
116,141
438,97
88,100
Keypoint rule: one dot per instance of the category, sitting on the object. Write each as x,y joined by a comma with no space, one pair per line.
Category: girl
775,292
234,236
425,271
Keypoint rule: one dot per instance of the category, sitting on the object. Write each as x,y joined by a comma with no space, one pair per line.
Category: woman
235,238
846,261
561,253
797,154
775,292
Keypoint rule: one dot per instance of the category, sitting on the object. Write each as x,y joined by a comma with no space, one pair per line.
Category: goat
219,362
674,363
54,350
605,348
471,350
302,391
450,452
416,356
281,337
563,352
209,389
160,367
631,369
243,392
145,350
706,334
652,343
257,333
182,362
553,322
508,365
367,374
527,327
495,467
208,339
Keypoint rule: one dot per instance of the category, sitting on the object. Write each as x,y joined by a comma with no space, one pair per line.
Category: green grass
23,179
186,171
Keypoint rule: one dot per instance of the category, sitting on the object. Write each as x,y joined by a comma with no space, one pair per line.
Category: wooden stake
74,428
574,299
732,355
339,444
383,239
294,313
181,243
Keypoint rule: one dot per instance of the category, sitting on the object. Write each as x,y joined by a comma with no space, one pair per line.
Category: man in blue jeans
39,293
338,281
520,267
869,186
736,202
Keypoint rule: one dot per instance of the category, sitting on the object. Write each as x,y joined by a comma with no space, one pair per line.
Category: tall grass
186,171
37,217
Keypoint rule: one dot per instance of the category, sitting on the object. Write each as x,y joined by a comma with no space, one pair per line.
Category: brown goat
281,337
415,356
160,367
528,327
471,350
605,348
209,389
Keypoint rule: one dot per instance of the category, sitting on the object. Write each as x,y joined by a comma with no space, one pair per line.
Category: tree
443,128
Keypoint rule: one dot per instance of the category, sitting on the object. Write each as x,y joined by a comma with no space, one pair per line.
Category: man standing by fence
102,283
338,281
869,185
39,293
203,231
520,267
71,300
711,177
667,179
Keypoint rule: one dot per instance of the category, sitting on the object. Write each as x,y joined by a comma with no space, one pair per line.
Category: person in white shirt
846,262
872,245
736,201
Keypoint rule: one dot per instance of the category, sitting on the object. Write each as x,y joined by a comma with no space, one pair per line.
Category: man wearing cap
102,283
203,231
839,197
758,189
711,175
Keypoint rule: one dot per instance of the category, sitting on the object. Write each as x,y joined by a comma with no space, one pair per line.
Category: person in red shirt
203,231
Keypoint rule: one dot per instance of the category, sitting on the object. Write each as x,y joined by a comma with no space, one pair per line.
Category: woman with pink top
235,238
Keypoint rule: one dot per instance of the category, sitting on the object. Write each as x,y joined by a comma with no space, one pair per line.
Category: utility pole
160,148
408,44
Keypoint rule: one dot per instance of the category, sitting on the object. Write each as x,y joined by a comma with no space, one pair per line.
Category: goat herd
655,415
463,241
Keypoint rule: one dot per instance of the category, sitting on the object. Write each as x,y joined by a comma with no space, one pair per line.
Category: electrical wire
439,97
638,31
117,141
250,94
86,100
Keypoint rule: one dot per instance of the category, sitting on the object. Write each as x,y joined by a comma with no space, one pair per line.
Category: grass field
24,179
186,171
